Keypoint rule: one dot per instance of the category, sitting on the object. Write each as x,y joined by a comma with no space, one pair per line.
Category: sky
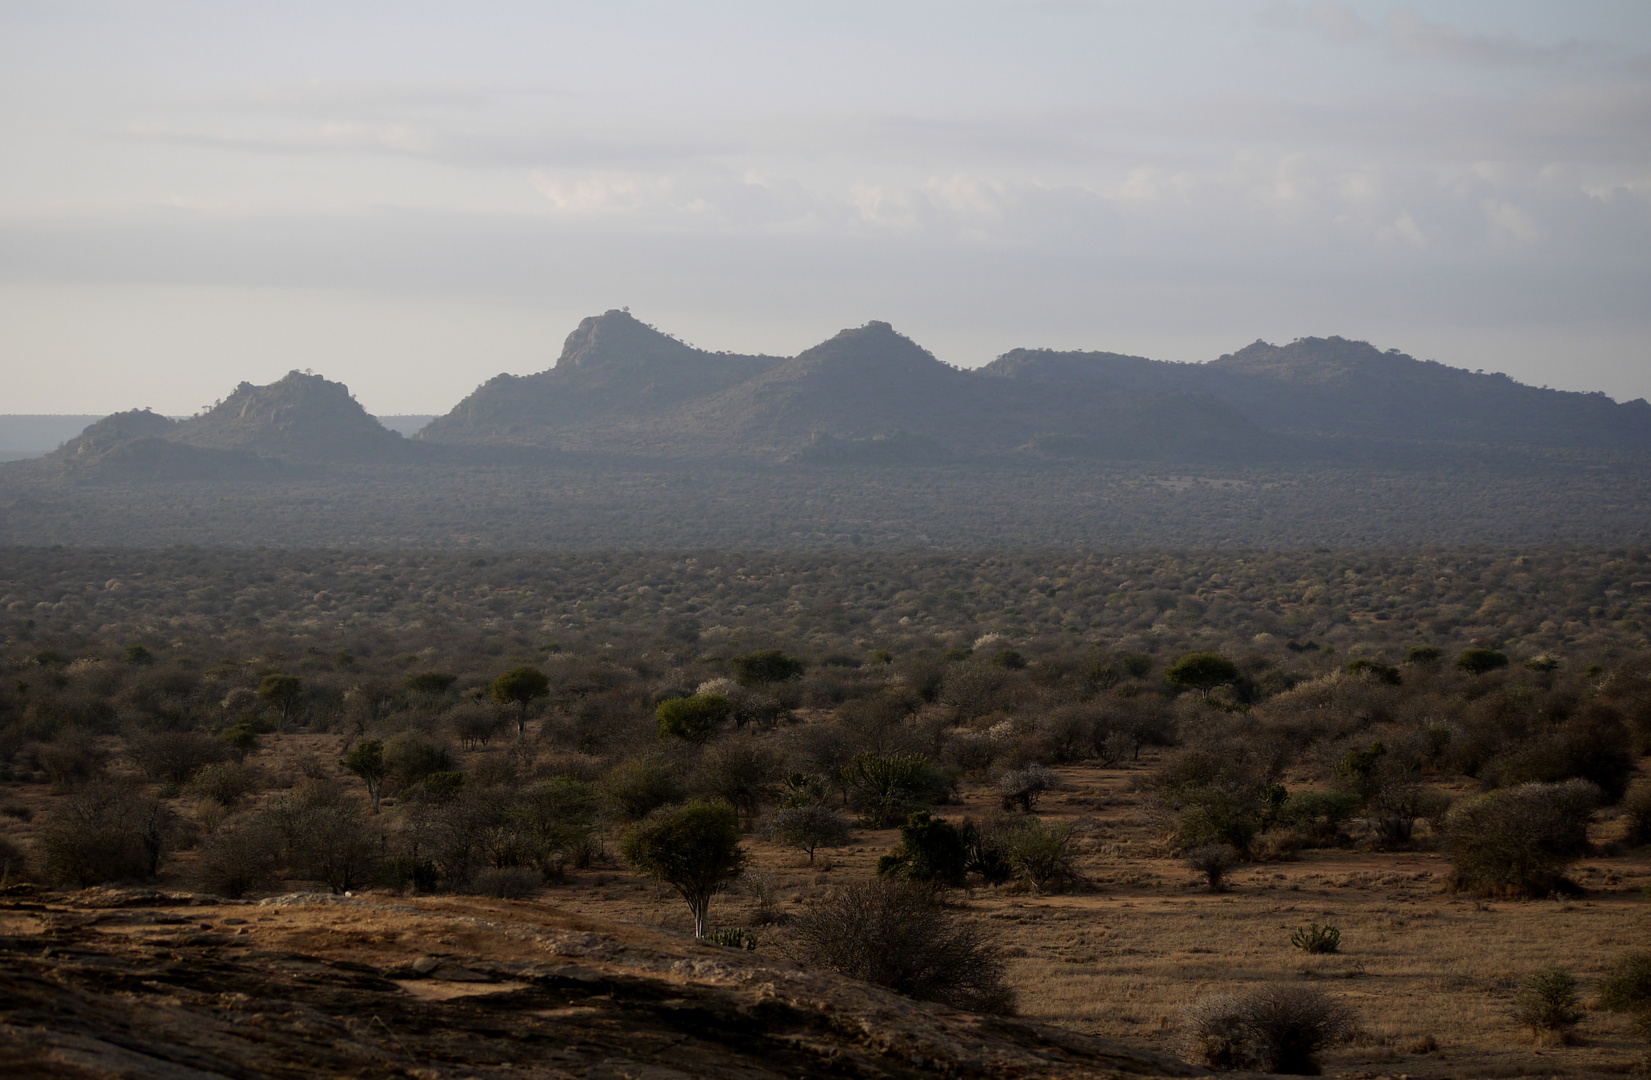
412,197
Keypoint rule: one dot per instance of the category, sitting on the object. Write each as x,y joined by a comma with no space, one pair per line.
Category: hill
614,375
257,433
1336,389
868,394
300,417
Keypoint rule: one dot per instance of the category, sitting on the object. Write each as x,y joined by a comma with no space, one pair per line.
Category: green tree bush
765,666
1202,671
517,688
694,849
931,850
694,719
1481,661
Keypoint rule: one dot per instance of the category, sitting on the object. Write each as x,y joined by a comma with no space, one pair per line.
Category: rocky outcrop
158,987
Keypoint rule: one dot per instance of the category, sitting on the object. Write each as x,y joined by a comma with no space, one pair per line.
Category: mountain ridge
871,396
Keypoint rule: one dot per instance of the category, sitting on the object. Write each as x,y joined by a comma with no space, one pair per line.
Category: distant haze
414,198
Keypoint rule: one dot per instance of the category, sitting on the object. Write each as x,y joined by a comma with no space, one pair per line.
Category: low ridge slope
1333,388
138,445
149,986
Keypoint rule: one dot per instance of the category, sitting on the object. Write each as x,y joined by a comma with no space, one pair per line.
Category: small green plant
733,937
1547,1004
1316,939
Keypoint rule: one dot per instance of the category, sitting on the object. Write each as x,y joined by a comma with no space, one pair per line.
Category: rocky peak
616,338
298,416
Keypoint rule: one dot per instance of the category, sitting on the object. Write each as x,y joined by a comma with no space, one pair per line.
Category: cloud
1280,16
1338,22
1411,35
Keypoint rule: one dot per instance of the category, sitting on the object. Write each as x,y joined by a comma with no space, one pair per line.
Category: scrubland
181,719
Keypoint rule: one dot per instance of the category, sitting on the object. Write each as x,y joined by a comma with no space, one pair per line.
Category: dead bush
104,832
1213,861
174,757
239,857
507,882
226,782
899,935
1636,808
14,865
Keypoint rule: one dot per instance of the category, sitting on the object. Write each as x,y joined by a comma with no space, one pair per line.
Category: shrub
1480,661
14,865
507,882
174,757
1547,1003
1627,986
741,772
410,756
765,666
1636,808
240,738
693,719
1041,854
1213,861
474,724
325,837
410,873
241,856
1317,815
1518,841
1207,814
552,820
990,843
225,783
636,788
1021,787
733,937
1317,940
898,935
102,833
807,827
1277,1029
931,850
887,788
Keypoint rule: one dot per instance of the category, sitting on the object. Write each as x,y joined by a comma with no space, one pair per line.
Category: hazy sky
412,197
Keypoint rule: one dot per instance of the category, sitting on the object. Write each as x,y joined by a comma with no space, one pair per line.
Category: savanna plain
1408,786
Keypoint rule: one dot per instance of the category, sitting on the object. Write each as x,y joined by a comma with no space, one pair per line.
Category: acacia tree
518,687
366,760
1202,671
281,690
765,666
695,849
